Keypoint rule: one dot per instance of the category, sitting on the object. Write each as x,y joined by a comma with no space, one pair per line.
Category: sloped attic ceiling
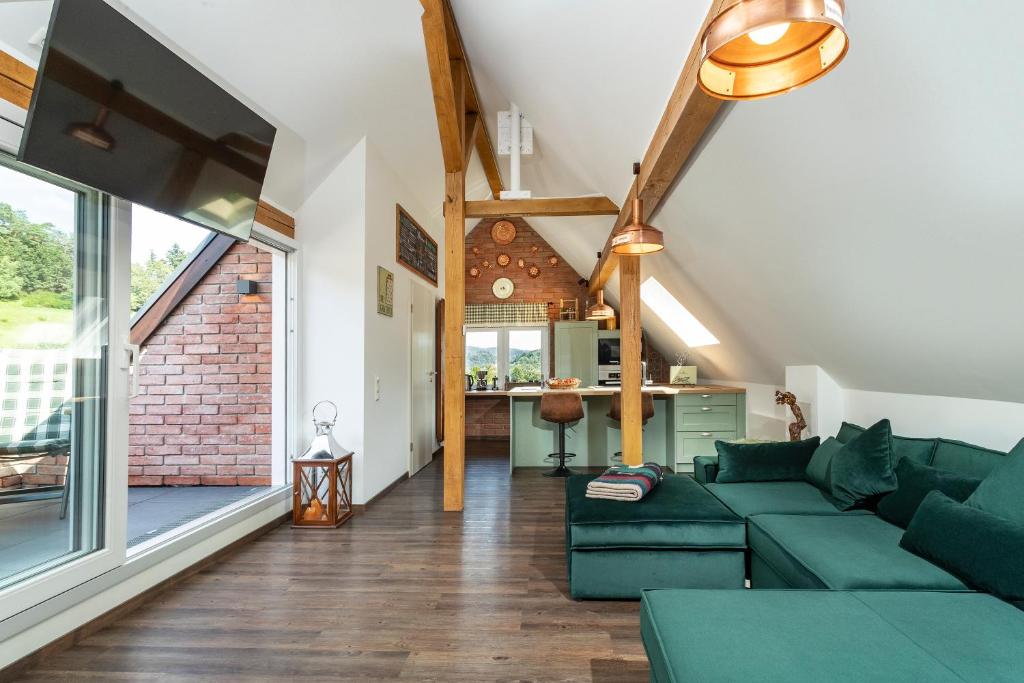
870,223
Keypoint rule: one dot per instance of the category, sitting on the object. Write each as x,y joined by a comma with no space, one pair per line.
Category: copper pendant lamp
638,238
600,310
761,48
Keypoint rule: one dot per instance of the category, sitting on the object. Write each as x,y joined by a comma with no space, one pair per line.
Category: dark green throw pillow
984,551
819,468
1002,492
863,469
913,483
775,461
848,432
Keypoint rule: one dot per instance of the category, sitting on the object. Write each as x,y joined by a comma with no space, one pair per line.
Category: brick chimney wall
203,413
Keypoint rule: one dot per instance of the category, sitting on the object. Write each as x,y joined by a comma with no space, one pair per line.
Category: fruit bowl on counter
564,383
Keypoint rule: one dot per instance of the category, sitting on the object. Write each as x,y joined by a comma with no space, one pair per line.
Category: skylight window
675,315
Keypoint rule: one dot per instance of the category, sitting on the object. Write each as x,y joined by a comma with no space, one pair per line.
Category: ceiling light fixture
600,310
762,48
637,238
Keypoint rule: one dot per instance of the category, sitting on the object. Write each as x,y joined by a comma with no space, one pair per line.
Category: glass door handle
132,355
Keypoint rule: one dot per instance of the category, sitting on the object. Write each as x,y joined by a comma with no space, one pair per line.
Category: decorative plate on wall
503,232
502,288
553,260
504,260
476,251
534,249
486,264
474,272
521,263
533,271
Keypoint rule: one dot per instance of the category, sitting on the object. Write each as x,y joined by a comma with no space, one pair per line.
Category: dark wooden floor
404,591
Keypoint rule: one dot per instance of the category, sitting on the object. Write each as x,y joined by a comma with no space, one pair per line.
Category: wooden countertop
490,393
657,389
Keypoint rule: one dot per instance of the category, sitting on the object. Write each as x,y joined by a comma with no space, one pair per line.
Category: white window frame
47,584
502,332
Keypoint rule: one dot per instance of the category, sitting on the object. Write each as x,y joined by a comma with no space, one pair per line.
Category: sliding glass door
63,390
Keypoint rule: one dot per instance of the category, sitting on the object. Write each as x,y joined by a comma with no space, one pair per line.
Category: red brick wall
202,416
554,283
487,418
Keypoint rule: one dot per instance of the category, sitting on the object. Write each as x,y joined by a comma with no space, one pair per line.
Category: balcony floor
32,532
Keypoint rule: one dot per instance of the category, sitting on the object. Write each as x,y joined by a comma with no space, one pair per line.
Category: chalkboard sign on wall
414,247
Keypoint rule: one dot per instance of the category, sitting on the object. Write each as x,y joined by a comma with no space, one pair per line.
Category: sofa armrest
705,468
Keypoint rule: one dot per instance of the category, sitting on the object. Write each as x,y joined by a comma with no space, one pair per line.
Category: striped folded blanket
628,484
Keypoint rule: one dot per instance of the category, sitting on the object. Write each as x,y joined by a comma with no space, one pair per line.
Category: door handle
705,433
706,409
705,395
131,366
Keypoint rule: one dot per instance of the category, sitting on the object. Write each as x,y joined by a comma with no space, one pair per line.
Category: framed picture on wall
385,292
414,247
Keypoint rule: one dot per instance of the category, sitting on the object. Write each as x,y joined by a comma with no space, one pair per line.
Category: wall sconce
245,287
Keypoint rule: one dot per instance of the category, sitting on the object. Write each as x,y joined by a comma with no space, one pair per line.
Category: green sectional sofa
836,636
838,598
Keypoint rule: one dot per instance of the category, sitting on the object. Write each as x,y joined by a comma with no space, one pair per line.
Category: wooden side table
321,492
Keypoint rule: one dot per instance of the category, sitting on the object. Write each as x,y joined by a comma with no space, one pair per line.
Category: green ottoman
678,536
835,636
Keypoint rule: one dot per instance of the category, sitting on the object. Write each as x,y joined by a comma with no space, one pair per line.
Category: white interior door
422,381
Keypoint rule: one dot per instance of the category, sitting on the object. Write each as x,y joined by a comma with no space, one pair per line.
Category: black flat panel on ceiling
116,110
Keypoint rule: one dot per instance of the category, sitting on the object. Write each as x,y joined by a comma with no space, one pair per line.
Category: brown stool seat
561,406
646,406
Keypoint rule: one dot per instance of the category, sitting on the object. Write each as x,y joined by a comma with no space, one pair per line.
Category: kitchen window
516,356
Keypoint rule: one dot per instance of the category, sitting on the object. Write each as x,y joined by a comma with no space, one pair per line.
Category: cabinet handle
706,408
705,395
705,433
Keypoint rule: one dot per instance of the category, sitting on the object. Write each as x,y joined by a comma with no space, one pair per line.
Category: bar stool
561,408
615,412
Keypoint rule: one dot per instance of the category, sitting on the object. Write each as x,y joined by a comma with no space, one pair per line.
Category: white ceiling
871,223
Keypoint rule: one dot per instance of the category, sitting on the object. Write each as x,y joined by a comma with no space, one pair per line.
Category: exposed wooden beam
687,116
442,84
17,80
454,340
489,160
632,379
470,135
542,206
275,219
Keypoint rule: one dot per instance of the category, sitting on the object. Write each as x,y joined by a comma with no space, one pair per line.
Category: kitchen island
687,421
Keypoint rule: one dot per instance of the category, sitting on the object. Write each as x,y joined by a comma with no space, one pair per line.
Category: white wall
765,419
387,349
330,230
993,424
823,398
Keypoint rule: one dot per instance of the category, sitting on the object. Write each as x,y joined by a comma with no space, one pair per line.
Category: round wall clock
504,260
503,288
503,232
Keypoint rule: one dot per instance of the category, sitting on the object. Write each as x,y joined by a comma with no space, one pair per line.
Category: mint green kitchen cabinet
576,351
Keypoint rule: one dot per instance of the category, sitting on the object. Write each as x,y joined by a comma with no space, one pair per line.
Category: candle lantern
322,478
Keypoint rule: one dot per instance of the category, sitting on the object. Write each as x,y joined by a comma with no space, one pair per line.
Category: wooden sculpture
789,399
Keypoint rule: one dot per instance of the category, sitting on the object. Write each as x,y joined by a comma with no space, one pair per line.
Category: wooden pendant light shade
762,48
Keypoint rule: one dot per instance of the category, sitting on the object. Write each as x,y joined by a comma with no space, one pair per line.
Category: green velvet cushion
848,432
818,469
1001,493
863,470
771,461
842,552
984,550
957,456
914,482
918,450
623,573
778,497
835,636
677,513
